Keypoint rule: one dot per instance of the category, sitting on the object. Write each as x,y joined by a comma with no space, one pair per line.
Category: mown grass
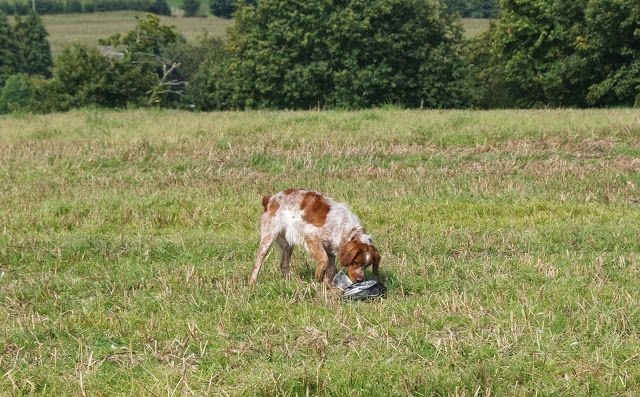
509,243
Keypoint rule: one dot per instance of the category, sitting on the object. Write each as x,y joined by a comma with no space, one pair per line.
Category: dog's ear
376,261
348,253
265,201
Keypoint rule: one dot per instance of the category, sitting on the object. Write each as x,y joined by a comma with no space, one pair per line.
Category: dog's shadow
305,269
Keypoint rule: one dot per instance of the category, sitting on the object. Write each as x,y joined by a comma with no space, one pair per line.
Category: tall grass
509,242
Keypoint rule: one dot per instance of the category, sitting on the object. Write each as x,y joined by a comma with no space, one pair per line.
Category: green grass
509,242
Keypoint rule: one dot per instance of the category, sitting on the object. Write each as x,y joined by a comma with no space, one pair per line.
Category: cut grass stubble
509,243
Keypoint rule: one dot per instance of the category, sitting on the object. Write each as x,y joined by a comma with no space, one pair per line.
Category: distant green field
474,26
88,28
509,242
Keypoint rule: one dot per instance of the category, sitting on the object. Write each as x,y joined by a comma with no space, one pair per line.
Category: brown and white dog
326,229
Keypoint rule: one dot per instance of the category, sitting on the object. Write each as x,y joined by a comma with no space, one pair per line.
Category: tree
612,46
352,53
10,60
34,45
530,55
190,7
560,53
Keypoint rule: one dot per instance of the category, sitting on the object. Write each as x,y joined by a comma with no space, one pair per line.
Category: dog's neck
358,234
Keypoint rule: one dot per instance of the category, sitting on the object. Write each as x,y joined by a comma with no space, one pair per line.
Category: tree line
159,7
347,54
220,8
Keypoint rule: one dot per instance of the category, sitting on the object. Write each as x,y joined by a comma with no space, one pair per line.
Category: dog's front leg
316,249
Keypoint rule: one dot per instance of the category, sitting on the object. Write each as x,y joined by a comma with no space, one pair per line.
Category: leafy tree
34,45
612,46
86,76
352,53
190,7
559,53
531,54
10,60
147,38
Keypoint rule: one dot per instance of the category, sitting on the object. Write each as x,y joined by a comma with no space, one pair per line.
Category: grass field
474,26
509,242
88,28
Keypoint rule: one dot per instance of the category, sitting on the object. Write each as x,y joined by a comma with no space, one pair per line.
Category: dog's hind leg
266,240
286,257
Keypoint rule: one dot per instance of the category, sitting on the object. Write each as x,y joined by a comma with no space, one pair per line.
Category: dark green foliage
20,7
211,86
222,8
352,54
148,37
34,45
87,77
73,6
159,7
22,93
10,60
226,8
190,7
534,43
49,7
612,45
16,94
473,8
559,53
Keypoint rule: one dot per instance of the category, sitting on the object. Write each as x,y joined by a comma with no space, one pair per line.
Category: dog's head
356,255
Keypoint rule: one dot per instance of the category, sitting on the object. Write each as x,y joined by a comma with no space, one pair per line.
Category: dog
326,229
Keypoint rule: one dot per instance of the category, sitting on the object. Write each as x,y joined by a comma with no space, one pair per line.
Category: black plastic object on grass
359,291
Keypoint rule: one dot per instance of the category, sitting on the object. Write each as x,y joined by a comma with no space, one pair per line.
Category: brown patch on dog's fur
290,191
315,209
270,205
273,207
265,202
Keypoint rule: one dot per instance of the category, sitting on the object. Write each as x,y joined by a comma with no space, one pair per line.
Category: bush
86,77
22,93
